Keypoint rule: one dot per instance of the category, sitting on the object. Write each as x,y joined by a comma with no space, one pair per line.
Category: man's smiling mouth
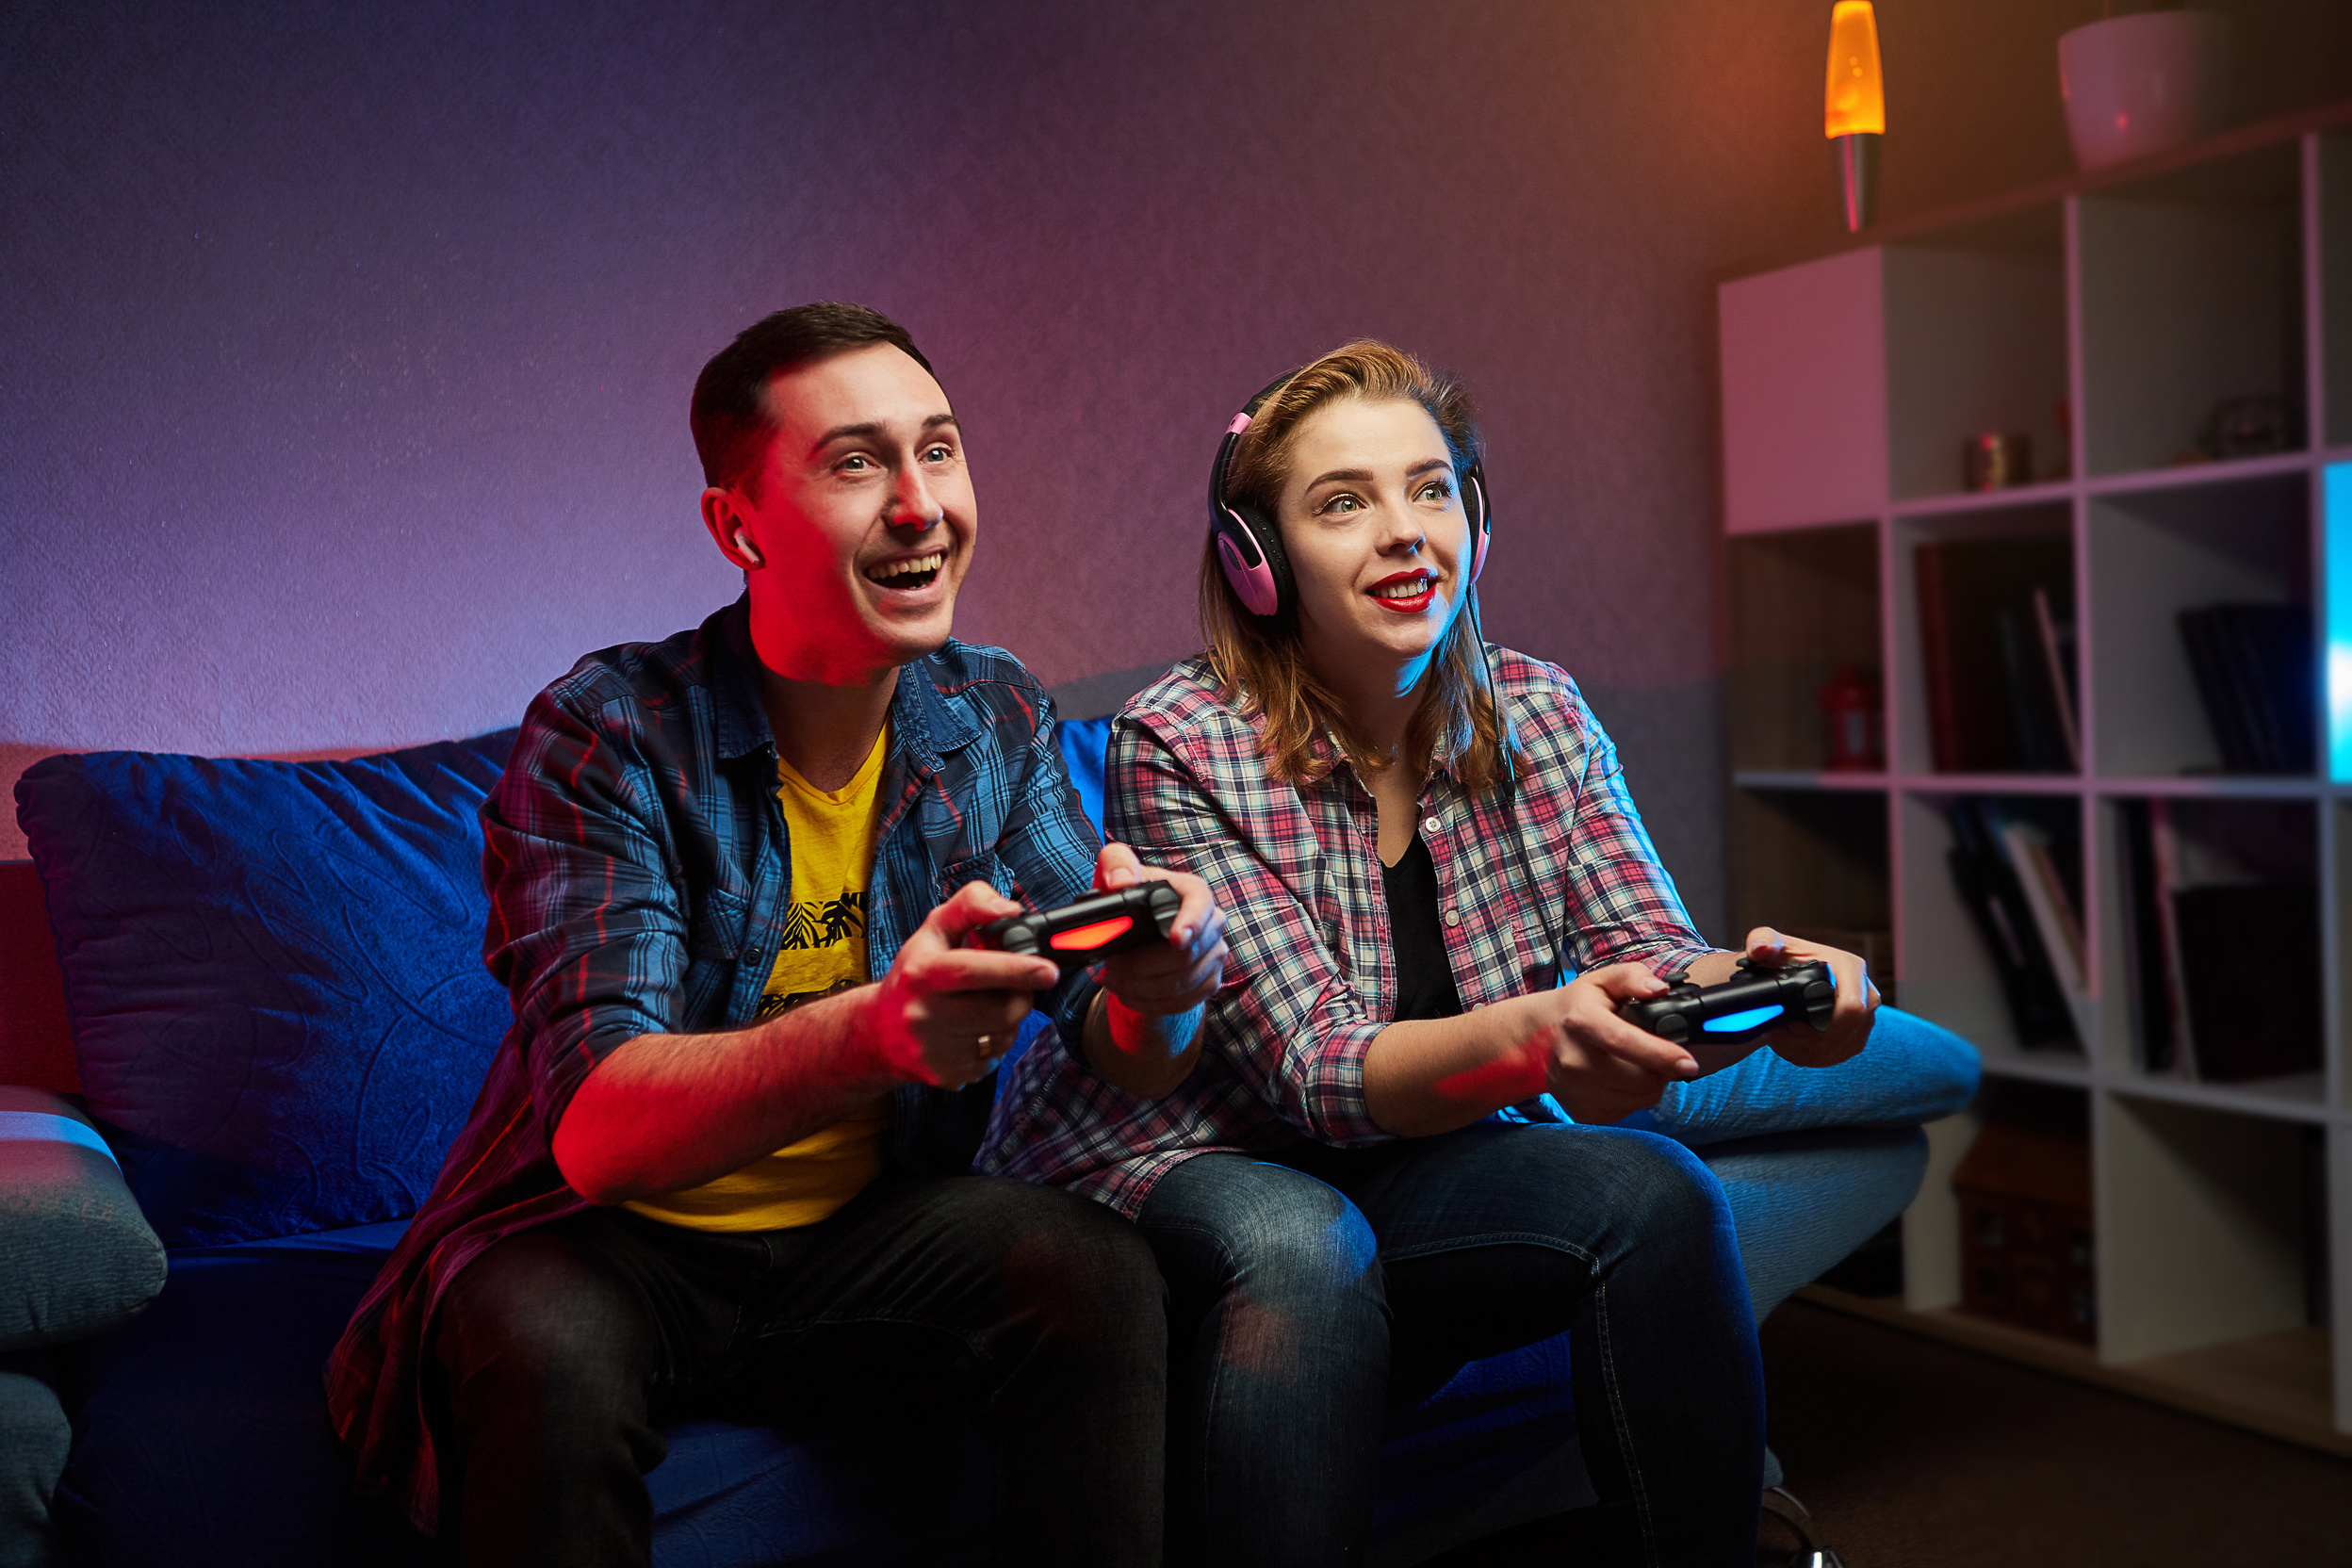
910,575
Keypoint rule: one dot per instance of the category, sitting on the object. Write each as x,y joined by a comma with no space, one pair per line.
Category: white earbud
743,542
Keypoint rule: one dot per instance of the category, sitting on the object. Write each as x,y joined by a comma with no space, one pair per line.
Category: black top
1425,981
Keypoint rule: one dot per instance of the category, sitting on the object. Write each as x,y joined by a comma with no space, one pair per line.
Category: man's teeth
1404,590
894,573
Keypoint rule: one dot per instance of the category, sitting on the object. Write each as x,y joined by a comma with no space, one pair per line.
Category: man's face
863,522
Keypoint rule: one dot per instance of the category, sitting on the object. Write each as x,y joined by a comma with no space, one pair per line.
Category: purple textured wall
344,351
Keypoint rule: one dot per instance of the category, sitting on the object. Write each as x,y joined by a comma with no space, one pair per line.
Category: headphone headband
1250,542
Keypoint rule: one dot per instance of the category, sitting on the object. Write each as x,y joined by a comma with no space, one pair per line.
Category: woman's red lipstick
1411,604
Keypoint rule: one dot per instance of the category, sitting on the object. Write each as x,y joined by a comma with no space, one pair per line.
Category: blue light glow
1732,1023
2339,670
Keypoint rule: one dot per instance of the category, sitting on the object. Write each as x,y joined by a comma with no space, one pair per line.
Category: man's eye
856,463
938,454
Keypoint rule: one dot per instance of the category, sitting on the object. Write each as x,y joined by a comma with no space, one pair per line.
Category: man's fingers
973,907
1622,982
980,969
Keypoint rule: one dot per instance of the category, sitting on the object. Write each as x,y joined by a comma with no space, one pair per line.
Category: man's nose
912,504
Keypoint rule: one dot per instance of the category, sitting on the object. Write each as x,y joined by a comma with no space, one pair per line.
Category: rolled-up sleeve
1288,1021
587,930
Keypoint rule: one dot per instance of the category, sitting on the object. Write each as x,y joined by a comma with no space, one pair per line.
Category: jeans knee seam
1492,1238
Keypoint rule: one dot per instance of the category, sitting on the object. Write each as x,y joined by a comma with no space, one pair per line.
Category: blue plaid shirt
639,879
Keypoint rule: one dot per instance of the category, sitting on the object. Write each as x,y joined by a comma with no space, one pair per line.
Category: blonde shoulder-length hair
1259,666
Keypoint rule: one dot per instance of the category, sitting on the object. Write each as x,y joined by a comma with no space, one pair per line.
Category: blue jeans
1305,1295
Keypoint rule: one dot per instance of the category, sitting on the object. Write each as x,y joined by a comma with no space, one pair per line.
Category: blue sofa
280,1018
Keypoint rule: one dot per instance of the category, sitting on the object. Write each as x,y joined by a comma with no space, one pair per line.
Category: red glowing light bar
1081,939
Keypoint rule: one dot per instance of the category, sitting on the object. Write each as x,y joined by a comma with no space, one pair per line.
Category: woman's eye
1436,490
1342,503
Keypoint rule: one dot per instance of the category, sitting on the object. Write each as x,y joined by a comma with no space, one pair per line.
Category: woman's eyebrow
1427,465
1354,476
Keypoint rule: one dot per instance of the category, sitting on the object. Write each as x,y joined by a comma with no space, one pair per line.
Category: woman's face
1378,543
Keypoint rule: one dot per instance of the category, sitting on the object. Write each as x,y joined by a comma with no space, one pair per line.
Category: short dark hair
730,414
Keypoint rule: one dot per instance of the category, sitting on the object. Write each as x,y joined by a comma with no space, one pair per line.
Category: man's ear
725,515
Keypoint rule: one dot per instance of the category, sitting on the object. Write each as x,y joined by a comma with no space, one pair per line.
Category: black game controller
1092,929
1719,1024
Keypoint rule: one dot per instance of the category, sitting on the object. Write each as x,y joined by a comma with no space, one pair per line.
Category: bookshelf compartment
2191,289
1989,672
2241,692
2211,940
1976,344
1814,864
1804,613
1992,957
2203,1225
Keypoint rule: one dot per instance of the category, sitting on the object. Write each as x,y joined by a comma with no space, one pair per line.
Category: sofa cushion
76,1256
273,971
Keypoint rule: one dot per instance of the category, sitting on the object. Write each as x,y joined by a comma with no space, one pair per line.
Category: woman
1340,1213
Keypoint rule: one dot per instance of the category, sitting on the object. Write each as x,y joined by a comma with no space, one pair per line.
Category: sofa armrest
76,1256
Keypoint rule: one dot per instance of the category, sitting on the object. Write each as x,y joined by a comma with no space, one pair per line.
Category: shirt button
1453,917
1428,825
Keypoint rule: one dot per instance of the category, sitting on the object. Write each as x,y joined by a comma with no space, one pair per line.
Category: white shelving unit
2136,299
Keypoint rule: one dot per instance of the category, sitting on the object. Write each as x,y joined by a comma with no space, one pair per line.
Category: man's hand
1160,979
1857,1000
945,1012
1600,1066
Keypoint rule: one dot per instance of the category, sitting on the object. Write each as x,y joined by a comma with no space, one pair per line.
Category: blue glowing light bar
2338,500
1732,1023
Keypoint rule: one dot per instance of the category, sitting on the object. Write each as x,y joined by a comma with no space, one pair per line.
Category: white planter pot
2135,85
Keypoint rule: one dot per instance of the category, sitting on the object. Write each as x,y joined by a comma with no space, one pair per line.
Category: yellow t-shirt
831,838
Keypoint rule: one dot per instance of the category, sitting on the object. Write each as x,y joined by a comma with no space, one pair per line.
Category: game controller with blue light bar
1720,1024
1091,929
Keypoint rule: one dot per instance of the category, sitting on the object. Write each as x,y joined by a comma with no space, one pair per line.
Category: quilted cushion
76,1257
274,973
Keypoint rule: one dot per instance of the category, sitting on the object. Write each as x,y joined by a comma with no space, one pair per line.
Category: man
721,1156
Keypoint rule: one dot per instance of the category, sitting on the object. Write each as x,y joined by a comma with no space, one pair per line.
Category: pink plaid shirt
1312,974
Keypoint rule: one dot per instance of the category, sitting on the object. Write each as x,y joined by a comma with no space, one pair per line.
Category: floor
1915,1454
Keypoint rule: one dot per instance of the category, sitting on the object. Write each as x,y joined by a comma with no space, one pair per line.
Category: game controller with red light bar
1093,928
1720,1024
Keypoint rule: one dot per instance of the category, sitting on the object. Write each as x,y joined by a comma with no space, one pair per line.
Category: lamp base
1858,173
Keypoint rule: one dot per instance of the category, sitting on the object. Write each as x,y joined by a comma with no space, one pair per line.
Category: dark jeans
562,1347
1306,1295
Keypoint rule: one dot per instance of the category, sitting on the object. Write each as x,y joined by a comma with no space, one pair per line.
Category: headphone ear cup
1264,584
1481,517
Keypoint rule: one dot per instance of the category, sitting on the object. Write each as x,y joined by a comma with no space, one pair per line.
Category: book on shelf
2257,679
1997,656
1993,861
2159,1014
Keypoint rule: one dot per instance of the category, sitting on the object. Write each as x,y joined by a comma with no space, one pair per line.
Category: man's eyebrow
869,429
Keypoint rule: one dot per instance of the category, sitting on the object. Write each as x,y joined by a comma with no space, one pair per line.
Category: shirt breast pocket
720,927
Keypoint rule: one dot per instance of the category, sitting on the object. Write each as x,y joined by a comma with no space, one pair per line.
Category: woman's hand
1858,999
1598,1066
1162,978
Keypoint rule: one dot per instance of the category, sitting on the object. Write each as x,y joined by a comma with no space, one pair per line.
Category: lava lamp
1855,106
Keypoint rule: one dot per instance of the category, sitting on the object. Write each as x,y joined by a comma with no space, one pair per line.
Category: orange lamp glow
1856,100
1854,106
